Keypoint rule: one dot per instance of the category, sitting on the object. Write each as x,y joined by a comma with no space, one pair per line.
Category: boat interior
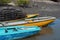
16,29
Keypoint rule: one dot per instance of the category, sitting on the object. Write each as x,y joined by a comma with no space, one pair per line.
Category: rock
11,13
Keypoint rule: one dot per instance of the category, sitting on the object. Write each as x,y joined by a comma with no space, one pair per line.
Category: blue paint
15,32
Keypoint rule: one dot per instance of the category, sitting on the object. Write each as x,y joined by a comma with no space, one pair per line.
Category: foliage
4,1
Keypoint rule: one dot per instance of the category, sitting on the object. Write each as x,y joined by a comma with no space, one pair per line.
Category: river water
51,32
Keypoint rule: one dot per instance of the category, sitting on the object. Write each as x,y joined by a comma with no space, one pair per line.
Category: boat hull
38,21
41,23
20,34
32,15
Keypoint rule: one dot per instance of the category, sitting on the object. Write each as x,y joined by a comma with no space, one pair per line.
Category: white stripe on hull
37,19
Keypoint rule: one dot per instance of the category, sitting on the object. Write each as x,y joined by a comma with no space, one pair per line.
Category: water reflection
45,30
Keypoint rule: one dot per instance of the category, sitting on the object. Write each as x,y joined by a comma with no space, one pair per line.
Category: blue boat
17,32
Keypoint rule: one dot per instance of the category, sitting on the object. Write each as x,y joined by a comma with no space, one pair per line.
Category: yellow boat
32,15
38,21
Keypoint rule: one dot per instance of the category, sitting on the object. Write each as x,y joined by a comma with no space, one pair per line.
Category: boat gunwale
27,22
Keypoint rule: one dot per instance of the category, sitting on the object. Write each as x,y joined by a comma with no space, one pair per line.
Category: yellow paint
31,15
41,23
30,21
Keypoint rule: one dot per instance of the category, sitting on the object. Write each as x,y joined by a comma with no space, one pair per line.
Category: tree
3,2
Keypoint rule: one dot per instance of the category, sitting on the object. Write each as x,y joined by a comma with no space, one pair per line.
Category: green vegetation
23,2
2,2
17,3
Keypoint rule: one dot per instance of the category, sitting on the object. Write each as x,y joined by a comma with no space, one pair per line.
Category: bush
23,2
3,2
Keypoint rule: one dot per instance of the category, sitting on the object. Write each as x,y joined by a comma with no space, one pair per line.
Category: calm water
52,32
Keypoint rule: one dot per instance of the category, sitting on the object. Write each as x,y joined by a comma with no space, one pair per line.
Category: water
52,32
